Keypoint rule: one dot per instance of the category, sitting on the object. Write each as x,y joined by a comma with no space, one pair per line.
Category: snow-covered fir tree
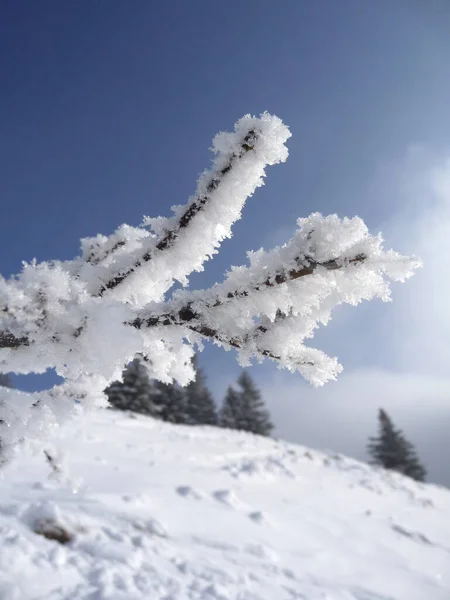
245,409
201,409
391,450
90,316
135,392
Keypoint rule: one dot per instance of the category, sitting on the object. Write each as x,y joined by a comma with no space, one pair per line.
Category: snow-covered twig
90,316
169,237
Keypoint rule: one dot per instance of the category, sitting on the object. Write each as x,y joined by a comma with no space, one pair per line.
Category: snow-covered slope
166,512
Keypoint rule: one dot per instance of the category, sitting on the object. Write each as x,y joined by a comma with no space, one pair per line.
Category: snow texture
163,512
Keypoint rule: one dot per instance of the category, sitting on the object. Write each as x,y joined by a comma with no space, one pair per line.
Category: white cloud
396,356
421,317
342,415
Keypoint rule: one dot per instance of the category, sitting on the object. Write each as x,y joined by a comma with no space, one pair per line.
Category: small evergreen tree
171,402
393,451
245,409
136,392
229,414
201,409
254,416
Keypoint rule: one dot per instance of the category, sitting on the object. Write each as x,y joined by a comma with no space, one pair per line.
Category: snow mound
181,513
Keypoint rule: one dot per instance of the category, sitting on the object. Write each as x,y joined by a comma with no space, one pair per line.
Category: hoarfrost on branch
90,316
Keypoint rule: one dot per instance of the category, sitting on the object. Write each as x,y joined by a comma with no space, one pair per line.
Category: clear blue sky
108,109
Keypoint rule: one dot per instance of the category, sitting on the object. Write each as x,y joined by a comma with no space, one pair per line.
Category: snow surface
163,512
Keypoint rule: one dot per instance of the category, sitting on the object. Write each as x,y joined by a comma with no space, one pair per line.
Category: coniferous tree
229,414
201,409
391,450
254,416
171,402
245,409
136,392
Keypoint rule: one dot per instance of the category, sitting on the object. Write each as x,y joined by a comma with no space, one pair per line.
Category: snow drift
161,512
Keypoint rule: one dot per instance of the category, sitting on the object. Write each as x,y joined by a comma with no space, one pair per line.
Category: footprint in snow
258,517
228,498
265,467
414,535
214,544
138,499
188,492
262,551
151,526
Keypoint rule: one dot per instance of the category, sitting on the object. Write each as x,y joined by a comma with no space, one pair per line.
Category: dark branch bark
293,274
96,258
188,317
191,319
194,208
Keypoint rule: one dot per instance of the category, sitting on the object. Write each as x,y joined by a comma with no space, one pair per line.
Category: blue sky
108,109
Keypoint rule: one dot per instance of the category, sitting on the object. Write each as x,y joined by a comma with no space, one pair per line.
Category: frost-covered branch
181,244
269,308
170,235
88,317
195,320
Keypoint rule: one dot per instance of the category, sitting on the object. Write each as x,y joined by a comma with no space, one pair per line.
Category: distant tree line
243,408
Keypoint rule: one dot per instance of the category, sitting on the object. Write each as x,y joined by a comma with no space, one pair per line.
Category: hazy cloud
396,356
